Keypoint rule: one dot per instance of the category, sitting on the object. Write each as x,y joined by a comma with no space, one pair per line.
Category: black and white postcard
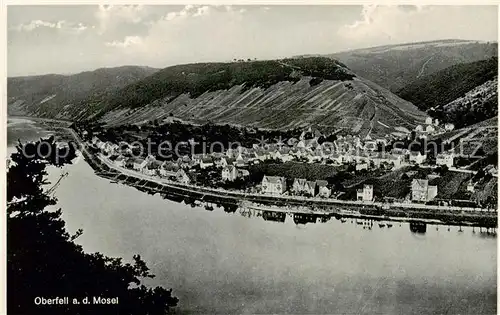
251,159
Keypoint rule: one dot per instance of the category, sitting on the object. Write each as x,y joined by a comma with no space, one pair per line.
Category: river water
218,262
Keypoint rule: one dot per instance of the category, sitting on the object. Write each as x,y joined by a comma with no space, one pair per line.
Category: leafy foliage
44,261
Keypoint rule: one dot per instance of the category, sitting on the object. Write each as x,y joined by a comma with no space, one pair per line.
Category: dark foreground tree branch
44,262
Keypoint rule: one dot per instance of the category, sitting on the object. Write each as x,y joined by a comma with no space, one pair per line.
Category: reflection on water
235,260
280,215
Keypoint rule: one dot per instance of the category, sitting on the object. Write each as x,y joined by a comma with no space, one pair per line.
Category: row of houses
346,150
276,185
421,190
432,126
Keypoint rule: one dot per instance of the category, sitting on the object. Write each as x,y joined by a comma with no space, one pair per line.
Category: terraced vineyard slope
277,94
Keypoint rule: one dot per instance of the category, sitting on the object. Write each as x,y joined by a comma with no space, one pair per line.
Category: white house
428,121
421,190
419,128
430,129
139,164
445,159
119,161
323,190
273,185
449,127
417,157
182,177
229,173
365,194
152,168
336,158
361,166
471,186
397,159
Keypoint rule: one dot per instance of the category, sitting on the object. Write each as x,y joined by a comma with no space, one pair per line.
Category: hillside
476,105
64,95
277,94
463,94
396,66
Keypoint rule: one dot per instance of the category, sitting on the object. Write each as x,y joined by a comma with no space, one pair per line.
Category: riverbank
325,207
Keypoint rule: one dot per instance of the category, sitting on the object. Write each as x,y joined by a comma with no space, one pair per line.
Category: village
359,156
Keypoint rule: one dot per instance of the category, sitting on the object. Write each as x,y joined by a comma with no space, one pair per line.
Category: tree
44,261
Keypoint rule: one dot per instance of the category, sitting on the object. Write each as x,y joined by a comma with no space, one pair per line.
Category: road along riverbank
290,204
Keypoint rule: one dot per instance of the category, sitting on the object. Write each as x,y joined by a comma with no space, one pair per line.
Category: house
152,168
301,144
445,159
471,186
421,191
229,173
419,128
365,194
323,190
119,161
261,155
310,188
428,121
361,166
167,168
284,155
336,158
230,153
110,148
430,129
139,164
241,160
206,162
182,177
298,185
273,185
417,157
397,160
449,127
491,169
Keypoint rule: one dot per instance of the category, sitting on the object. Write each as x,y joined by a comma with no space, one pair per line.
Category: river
218,262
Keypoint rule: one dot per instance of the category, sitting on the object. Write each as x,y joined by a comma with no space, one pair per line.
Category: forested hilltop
395,66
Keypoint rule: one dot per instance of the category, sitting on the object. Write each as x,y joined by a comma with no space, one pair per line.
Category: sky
71,39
